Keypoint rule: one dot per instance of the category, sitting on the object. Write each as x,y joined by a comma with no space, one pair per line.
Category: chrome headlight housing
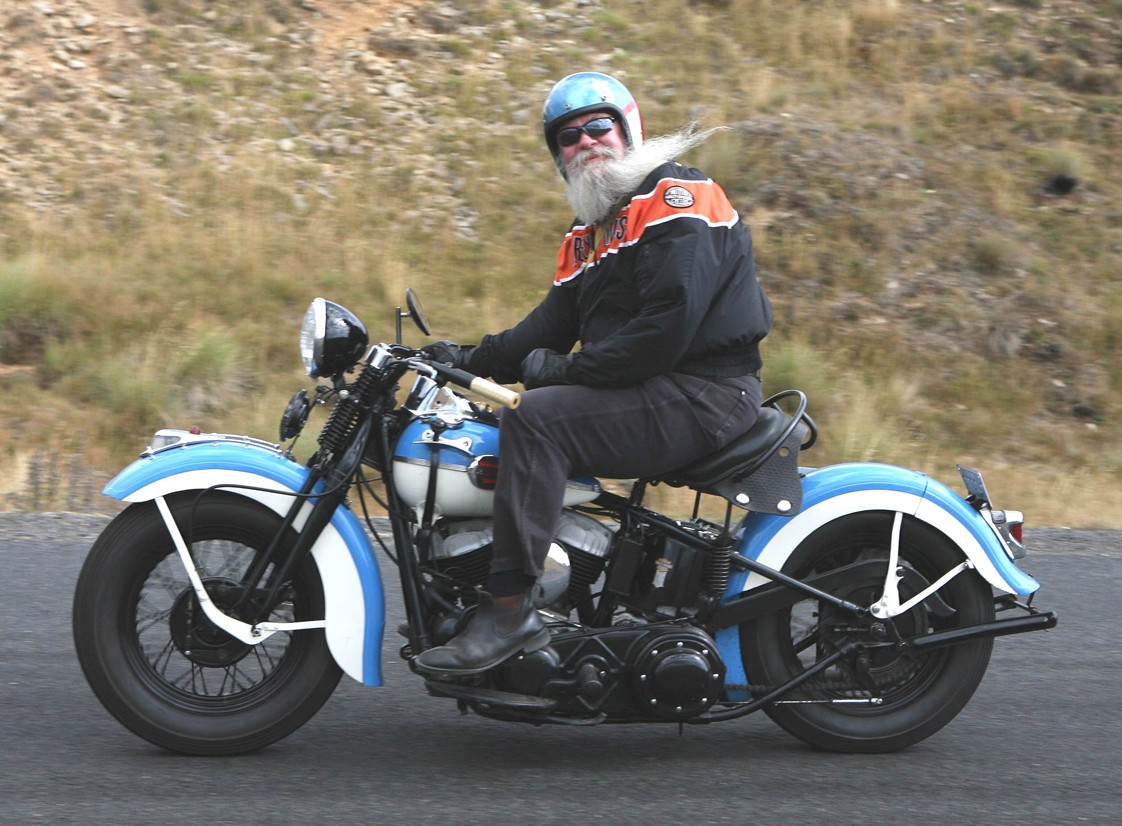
332,339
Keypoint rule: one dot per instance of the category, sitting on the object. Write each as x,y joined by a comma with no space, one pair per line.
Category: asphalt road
1040,743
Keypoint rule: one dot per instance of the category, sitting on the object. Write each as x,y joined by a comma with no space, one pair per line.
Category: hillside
932,187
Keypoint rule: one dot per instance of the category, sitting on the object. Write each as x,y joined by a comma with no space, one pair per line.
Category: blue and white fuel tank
467,468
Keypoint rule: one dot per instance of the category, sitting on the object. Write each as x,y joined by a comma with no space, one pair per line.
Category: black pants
627,433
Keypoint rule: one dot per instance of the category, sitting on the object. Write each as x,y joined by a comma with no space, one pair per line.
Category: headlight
332,339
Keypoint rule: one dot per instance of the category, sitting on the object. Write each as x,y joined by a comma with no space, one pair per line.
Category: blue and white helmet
590,92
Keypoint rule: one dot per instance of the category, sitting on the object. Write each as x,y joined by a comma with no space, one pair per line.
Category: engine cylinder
461,550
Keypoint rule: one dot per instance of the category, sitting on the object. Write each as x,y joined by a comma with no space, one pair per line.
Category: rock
1060,184
1085,411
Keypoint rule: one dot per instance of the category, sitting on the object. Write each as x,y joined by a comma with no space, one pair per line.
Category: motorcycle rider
656,281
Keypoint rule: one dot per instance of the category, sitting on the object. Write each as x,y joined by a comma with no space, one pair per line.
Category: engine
667,670
461,550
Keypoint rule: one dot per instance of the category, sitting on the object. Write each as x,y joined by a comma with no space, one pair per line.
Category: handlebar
495,392
484,387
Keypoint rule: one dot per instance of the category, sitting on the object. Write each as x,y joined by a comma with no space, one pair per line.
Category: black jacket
668,286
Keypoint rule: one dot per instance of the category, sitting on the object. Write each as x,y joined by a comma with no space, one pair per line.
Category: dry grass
937,304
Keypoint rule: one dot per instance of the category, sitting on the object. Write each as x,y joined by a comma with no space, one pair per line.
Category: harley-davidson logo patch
678,197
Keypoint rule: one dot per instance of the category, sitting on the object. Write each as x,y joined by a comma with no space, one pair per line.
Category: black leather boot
500,628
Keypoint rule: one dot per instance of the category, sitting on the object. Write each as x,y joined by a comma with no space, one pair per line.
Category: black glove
450,353
544,367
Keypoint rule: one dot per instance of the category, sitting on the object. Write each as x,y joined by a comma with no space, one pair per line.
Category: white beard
597,189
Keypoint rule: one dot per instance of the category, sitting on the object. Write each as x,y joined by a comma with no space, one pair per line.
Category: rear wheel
161,667
887,698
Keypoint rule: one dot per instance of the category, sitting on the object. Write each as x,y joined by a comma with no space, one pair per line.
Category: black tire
920,692
166,672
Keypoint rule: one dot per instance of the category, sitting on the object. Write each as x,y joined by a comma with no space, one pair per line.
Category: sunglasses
597,128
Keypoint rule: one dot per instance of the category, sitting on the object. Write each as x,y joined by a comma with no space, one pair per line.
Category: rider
656,281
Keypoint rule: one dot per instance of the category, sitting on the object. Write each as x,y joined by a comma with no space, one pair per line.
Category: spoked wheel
887,697
161,667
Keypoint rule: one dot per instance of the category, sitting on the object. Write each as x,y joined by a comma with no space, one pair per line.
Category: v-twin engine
461,551
662,669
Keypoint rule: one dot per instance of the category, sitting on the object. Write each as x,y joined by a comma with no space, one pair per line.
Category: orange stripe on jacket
670,200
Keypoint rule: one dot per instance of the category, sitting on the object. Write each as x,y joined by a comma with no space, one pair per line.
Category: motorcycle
855,604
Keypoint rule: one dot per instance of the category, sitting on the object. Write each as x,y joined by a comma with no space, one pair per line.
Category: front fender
832,492
353,594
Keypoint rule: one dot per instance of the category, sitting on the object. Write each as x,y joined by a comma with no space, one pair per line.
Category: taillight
1010,525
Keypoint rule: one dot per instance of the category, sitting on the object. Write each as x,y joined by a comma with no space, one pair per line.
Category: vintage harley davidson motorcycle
855,604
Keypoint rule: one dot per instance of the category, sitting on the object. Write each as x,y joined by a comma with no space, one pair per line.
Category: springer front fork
249,633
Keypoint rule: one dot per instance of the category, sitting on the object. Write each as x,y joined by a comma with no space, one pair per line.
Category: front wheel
165,671
887,698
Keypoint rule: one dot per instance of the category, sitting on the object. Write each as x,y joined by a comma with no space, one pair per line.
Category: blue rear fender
839,490
353,592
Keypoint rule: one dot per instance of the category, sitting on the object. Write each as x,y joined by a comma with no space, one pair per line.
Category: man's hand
450,353
543,368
